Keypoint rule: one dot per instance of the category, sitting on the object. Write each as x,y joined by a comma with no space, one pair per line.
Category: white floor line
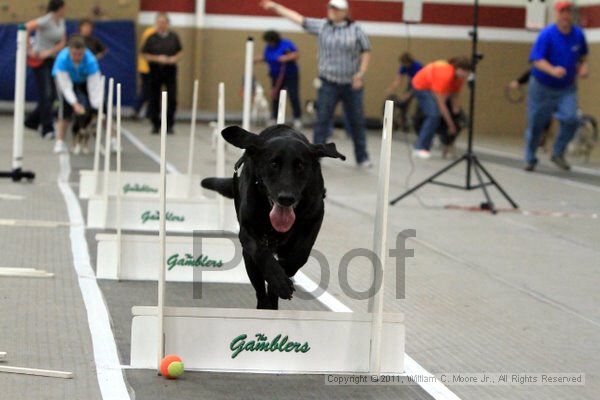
436,390
108,368
7,196
144,149
512,156
566,181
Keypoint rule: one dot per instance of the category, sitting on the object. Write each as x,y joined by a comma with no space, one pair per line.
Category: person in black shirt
163,51
86,29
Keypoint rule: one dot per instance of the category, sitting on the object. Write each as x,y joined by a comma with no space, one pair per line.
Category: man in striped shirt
344,54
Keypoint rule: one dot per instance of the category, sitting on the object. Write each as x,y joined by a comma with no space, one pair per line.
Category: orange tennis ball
171,367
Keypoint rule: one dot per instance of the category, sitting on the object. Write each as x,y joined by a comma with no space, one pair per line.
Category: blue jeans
432,120
42,114
542,102
330,94
290,83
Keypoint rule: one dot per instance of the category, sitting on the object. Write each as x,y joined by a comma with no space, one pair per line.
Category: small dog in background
82,131
261,113
585,138
446,139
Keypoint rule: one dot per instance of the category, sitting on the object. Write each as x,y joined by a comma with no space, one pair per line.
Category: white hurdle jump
247,340
139,211
132,257
282,104
183,262
135,183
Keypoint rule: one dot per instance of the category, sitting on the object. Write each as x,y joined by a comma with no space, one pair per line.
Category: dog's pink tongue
282,218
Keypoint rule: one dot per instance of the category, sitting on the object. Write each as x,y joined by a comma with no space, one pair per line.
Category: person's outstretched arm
395,84
285,12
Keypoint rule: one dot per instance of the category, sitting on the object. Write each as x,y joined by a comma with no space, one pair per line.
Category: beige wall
224,51
215,55
589,89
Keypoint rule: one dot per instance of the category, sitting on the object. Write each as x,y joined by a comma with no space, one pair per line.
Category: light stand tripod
473,163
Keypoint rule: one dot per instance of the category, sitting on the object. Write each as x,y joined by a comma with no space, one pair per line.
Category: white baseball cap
339,4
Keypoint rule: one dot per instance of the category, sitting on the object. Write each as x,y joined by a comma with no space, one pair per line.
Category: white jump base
139,258
139,183
140,213
327,342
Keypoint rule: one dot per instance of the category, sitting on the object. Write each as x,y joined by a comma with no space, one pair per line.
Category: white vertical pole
162,229
192,137
380,236
19,113
119,183
99,130
221,148
248,83
109,115
282,104
107,148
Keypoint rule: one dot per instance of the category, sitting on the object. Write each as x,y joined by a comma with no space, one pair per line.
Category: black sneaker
561,162
529,167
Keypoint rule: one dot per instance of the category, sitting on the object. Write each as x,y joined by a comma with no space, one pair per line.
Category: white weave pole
221,147
99,129
380,236
162,190
192,137
19,113
107,147
248,83
119,183
282,104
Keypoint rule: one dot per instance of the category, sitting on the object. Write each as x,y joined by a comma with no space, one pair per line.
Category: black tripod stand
473,163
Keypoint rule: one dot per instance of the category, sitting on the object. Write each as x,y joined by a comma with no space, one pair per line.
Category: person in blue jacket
78,78
558,57
281,55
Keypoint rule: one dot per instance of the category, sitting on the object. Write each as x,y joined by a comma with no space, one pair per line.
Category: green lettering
172,261
237,345
290,346
145,217
304,348
274,343
283,342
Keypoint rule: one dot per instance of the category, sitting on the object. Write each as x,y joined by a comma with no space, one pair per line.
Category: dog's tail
223,186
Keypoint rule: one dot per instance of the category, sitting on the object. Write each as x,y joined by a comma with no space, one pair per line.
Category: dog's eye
274,164
300,166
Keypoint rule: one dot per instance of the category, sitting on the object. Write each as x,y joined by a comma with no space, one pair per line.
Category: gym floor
514,292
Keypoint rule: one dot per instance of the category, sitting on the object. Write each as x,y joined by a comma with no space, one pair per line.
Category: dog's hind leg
223,186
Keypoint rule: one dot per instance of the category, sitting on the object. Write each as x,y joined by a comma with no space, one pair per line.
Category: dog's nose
286,199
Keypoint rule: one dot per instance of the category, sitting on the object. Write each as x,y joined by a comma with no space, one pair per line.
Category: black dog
279,204
459,119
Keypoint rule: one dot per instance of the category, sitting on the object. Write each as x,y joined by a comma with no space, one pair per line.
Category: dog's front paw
282,286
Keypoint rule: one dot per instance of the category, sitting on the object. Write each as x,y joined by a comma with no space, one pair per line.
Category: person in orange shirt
433,85
144,71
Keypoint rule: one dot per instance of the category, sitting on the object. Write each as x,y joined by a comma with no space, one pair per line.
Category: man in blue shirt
78,79
558,58
281,55
409,68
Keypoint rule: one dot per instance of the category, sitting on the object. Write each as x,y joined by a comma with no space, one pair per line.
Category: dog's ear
326,150
242,138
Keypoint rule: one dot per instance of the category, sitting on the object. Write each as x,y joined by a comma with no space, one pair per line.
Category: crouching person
434,85
77,75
